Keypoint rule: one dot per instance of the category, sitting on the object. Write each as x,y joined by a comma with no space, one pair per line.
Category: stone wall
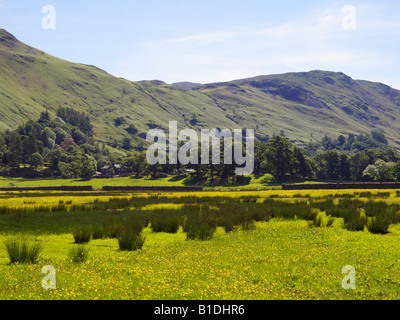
350,185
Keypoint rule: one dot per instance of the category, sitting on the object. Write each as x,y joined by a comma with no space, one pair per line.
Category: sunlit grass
277,260
281,258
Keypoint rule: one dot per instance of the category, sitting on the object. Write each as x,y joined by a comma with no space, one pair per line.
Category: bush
322,220
82,235
248,225
259,212
79,254
98,232
365,194
378,225
383,194
268,179
166,222
130,236
227,225
205,232
380,222
355,221
306,212
19,250
373,208
200,225
130,240
111,226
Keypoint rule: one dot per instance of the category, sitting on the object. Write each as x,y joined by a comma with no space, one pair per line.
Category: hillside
187,85
304,105
310,103
32,81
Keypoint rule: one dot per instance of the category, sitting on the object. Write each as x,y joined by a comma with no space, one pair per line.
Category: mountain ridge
304,105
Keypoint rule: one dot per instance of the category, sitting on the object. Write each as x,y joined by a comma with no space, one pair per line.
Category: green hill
310,103
32,81
304,105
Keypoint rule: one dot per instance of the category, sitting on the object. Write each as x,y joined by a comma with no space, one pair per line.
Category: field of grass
281,254
98,183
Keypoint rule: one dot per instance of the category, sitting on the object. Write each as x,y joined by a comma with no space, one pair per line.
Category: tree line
65,147
287,162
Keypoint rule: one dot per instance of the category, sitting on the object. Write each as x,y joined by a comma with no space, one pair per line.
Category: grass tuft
21,251
79,254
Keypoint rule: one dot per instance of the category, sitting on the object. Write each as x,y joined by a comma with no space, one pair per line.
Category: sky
214,40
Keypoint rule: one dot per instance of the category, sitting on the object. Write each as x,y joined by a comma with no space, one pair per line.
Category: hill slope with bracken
32,81
310,103
304,105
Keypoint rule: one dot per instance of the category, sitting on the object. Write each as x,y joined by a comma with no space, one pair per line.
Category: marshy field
200,245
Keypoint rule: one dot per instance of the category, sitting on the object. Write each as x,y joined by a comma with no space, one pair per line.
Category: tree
76,168
153,169
280,157
119,121
79,137
327,143
135,164
385,170
65,170
200,168
344,167
126,143
260,163
381,170
44,116
77,119
300,164
332,164
36,161
396,171
111,172
54,157
15,154
379,136
341,140
29,147
320,167
87,170
48,138
131,129
358,163
66,143
193,120
61,134
370,172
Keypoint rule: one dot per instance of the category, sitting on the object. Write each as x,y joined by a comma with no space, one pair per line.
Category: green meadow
98,183
205,245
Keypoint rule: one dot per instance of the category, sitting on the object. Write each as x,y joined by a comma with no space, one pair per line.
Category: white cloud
314,42
202,39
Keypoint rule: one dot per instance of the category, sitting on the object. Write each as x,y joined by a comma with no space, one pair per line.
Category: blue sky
216,40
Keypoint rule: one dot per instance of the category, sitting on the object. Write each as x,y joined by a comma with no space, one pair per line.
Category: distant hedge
150,188
105,188
350,185
63,188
